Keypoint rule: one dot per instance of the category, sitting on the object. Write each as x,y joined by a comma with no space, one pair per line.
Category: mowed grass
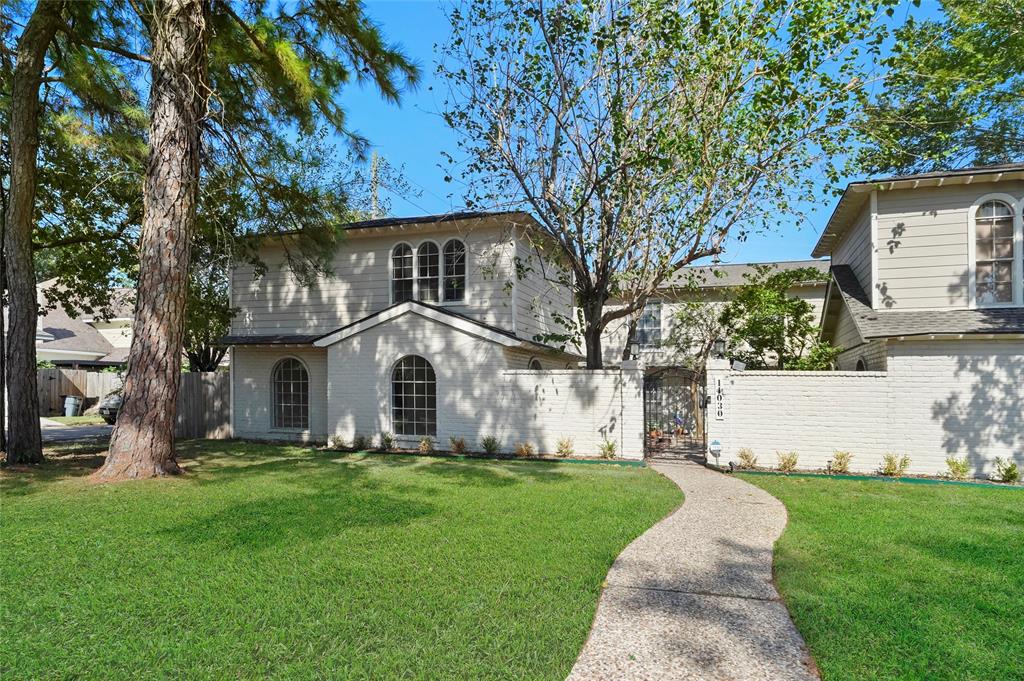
82,420
903,581
285,562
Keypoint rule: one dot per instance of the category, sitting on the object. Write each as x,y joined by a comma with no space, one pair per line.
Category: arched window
454,270
413,397
291,394
535,364
862,365
993,253
401,273
428,272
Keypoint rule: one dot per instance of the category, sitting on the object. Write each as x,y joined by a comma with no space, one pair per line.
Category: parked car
110,406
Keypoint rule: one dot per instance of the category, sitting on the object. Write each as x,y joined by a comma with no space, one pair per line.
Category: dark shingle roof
891,323
721,276
271,339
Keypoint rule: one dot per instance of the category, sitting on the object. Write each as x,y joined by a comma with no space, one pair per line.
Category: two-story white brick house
406,337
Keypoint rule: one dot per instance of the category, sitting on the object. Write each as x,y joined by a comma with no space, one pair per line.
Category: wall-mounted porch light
718,347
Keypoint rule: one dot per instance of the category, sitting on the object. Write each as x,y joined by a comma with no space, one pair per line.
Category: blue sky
413,135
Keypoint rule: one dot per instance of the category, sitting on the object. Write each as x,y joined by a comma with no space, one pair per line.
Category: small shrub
525,449
747,458
387,441
608,449
491,444
565,447
360,442
841,462
337,442
426,445
458,444
1006,471
787,461
894,465
957,469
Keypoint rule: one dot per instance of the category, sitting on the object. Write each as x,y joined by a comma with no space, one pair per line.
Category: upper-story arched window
454,271
401,273
428,271
290,392
994,254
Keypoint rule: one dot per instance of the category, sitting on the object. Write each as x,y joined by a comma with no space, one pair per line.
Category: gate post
716,417
632,409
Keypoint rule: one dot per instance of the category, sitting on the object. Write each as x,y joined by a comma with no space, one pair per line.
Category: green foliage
426,445
957,468
786,461
565,447
894,465
490,444
746,457
45,364
694,327
770,328
525,449
457,445
1006,470
361,443
337,442
387,441
637,160
952,92
841,462
608,449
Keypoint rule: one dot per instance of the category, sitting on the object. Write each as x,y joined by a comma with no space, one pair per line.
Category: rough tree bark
24,443
142,444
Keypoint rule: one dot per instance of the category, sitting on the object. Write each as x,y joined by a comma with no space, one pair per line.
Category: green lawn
902,581
294,563
83,420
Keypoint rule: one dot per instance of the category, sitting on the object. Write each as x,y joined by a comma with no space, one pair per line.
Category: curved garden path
693,598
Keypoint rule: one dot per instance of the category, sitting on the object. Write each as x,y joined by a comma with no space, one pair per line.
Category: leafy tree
643,134
953,94
769,328
694,327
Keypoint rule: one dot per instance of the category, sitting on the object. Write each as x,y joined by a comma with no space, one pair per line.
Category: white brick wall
251,371
938,398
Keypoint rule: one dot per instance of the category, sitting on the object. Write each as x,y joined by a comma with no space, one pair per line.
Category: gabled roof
873,324
416,220
724,276
857,193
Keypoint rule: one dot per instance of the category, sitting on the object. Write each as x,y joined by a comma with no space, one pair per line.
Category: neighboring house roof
384,223
872,323
58,331
723,276
439,314
856,193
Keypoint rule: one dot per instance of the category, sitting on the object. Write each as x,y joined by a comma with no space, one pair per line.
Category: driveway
54,431
693,598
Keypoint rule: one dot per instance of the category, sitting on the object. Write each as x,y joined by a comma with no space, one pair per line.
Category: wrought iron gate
674,413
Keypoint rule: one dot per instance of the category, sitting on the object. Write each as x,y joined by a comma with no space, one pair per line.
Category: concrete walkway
692,598
55,431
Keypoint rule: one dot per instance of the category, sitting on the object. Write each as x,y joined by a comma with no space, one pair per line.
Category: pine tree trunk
142,444
24,443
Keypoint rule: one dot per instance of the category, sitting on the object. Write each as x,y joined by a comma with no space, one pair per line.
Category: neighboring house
927,271
408,336
706,284
89,340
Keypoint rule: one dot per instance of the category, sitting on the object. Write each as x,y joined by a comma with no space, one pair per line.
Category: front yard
289,562
893,580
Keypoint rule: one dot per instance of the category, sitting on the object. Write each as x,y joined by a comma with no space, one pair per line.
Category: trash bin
72,405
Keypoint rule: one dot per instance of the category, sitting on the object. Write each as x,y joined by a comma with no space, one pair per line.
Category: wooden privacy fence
204,399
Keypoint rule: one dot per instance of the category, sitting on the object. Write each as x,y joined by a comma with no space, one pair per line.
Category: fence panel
204,406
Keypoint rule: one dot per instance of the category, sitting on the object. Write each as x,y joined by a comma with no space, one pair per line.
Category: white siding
937,399
251,372
277,304
855,248
923,244
540,297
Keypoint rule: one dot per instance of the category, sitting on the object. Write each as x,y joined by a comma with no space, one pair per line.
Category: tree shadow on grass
63,461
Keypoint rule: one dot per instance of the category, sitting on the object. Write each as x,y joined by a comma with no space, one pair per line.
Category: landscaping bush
747,458
491,444
1006,471
565,447
894,465
841,462
525,449
387,441
608,449
360,442
787,461
458,444
957,469
426,445
337,442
